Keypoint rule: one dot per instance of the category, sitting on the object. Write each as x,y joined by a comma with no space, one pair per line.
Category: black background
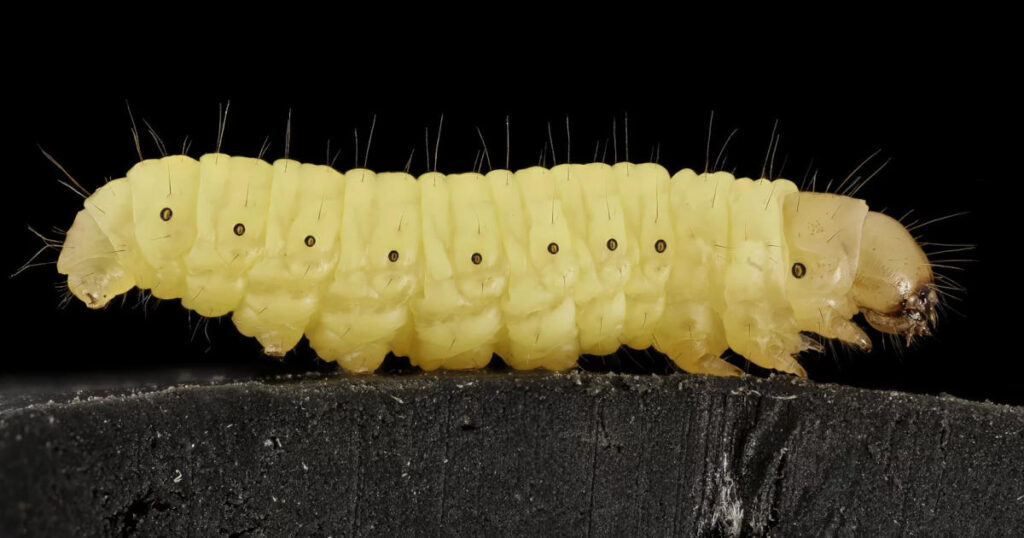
940,109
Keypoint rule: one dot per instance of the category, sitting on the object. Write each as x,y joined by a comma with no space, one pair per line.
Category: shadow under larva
539,265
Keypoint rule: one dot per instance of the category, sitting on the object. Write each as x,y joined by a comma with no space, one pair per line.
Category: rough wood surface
503,454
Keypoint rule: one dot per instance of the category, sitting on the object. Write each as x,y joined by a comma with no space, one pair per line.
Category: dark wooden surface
220,453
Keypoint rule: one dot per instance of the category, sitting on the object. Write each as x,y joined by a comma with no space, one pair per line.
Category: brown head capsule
894,287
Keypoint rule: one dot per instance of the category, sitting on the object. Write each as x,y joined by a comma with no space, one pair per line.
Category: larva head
94,273
894,285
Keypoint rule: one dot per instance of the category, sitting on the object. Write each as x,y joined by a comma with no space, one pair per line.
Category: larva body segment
284,286
538,265
165,242
458,315
223,253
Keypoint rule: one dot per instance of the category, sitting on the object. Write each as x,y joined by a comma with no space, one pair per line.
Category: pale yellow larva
538,266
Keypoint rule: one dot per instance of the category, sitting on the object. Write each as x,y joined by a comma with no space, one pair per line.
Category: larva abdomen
539,265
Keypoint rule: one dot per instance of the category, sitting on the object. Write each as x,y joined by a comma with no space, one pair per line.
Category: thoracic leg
767,340
706,364
849,332
691,334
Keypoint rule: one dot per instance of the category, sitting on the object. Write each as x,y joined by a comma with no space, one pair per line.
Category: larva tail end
95,275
